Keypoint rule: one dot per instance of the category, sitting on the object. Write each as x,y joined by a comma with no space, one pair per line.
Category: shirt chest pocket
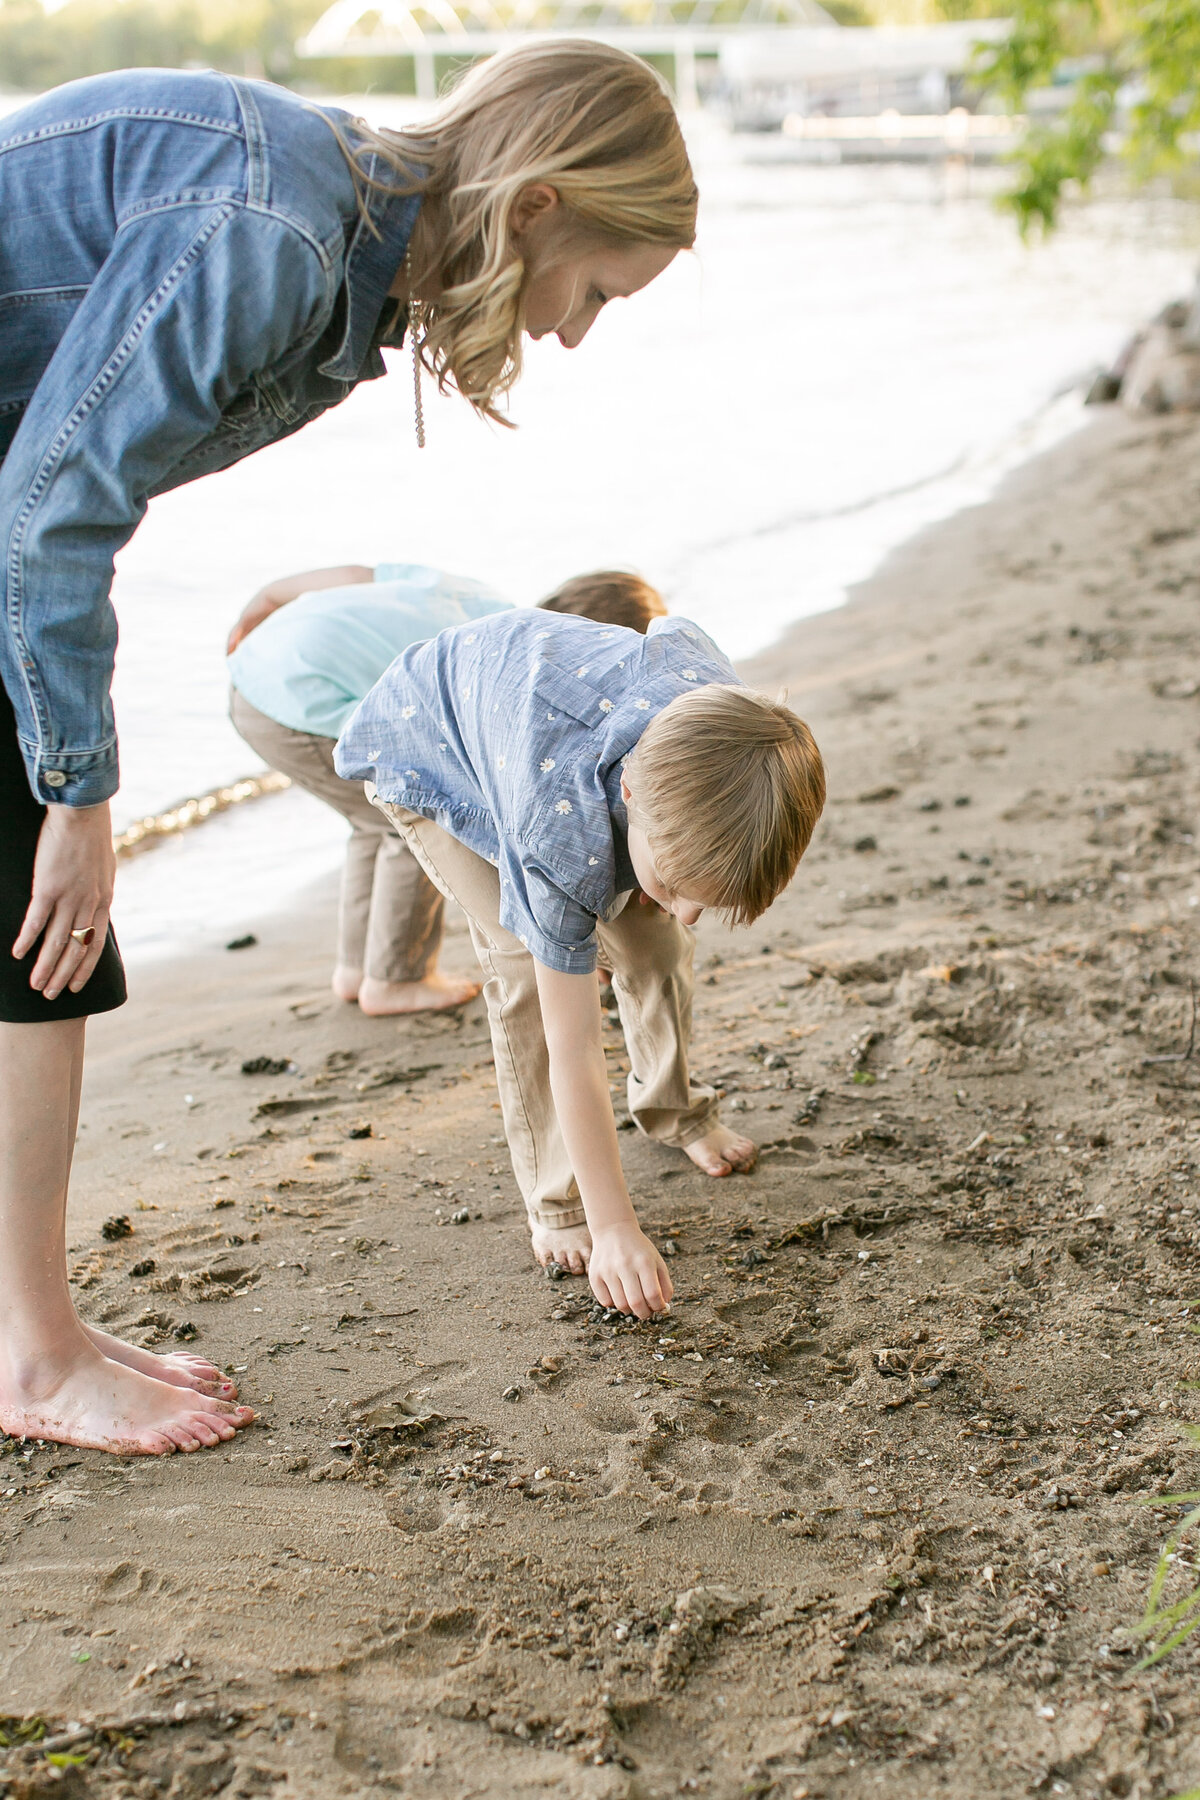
573,694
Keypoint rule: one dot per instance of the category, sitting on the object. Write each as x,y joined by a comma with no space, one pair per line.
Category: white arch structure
424,29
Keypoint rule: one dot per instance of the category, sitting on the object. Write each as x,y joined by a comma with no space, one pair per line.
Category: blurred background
874,327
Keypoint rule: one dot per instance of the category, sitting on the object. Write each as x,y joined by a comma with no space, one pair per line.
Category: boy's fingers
600,1289
619,1297
639,1301
651,1289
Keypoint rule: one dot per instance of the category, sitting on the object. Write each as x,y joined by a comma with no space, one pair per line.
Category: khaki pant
650,955
390,914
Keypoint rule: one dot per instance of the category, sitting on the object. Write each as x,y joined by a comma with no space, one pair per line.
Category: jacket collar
372,262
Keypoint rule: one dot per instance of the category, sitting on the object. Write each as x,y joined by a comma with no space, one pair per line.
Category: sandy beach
867,1514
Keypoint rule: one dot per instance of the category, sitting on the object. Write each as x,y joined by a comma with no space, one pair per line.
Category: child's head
724,789
555,177
611,597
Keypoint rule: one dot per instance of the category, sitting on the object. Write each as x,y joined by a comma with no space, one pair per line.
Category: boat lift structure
425,29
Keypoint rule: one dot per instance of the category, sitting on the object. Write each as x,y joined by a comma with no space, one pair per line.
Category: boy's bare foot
86,1400
437,993
569,1246
177,1368
346,982
721,1152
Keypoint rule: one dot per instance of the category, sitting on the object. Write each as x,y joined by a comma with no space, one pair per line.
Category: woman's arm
191,305
625,1270
290,587
172,328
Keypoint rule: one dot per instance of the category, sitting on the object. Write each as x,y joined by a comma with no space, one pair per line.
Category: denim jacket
185,276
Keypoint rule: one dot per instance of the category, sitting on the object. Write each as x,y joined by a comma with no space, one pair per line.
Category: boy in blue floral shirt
543,769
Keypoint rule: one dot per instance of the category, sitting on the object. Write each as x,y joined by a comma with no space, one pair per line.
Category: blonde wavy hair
728,787
594,123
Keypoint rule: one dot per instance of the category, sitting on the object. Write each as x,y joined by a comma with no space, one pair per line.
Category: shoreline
972,480
886,1468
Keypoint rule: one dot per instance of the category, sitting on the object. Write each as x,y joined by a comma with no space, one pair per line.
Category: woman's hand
73,876
627,1272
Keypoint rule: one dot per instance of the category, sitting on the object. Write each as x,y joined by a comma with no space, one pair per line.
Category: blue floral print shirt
510,732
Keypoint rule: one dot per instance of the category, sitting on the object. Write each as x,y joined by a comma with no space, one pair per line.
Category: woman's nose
574,332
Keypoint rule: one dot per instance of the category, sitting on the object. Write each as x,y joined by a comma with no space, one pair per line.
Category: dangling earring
416,326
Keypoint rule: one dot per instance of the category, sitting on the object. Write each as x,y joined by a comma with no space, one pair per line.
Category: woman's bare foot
346,982
569,1246
82,1398
178,1368
721,1152
437,993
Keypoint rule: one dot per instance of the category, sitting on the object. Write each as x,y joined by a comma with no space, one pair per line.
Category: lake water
851,353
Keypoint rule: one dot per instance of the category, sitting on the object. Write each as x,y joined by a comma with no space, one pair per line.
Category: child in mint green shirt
302,655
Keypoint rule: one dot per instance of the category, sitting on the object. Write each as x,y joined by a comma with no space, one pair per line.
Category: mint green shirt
309,664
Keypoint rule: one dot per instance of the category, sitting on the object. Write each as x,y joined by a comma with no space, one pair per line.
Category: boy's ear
626,792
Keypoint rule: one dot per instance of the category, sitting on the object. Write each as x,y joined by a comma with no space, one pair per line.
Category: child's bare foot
346,982
437,993
569,1246
178,1368
82,1398
721,1152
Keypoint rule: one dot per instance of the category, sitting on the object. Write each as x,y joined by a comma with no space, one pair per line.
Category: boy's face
649,880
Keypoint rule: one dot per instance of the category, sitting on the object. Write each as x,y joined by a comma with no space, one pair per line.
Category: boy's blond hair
728,787
593,122
611,597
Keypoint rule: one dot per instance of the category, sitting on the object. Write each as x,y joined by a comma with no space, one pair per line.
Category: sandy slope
865,1516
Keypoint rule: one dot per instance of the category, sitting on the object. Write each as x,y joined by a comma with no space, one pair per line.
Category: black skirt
20,822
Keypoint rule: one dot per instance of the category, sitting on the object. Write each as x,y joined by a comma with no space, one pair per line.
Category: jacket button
54,778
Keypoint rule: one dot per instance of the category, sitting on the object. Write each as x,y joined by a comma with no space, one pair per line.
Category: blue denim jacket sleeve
167,334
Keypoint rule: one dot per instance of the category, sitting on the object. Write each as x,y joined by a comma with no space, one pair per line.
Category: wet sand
867,1514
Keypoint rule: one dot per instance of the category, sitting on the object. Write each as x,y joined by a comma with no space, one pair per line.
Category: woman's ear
533,206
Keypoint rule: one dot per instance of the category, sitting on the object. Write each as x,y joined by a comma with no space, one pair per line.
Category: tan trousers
650,955
390,913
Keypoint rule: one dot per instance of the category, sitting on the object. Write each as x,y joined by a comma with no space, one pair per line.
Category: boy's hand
626,1271
251,617
279,593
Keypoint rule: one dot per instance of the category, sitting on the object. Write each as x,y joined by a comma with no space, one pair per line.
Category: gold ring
85,935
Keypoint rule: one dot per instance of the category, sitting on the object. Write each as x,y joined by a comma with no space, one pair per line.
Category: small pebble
511,1393
116,1228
